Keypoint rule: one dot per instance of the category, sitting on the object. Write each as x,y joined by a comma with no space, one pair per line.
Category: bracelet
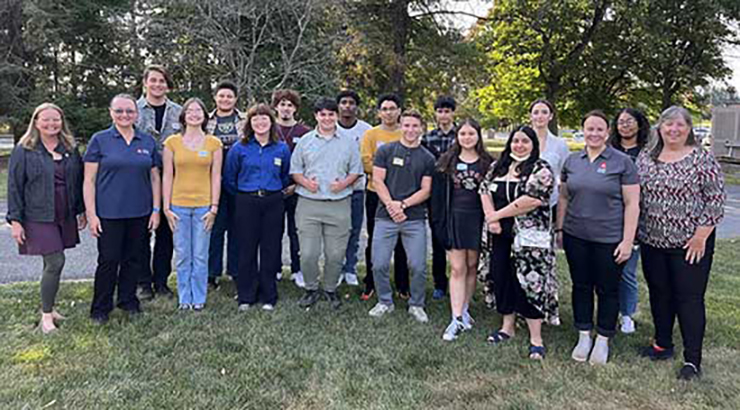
558,230
155,209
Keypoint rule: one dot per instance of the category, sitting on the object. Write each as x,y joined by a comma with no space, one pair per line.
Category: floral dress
534,267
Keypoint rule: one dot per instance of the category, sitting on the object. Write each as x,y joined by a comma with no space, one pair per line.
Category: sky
480,8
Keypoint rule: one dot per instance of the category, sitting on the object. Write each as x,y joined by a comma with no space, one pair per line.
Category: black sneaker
689,372
213,282
333,300
145,293
163,290
654,353
309,298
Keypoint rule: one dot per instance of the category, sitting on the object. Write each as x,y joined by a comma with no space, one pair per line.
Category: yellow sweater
373,139
192,182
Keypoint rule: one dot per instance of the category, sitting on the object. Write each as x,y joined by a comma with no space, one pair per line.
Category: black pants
400,264
592,267
439,261
258,222
161,261
677,289
121,261
290,204
510,297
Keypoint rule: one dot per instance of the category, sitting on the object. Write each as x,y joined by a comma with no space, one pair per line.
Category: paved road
81,260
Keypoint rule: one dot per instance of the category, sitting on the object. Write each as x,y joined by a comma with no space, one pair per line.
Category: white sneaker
268,307
628,325
467,321
582,349
244,307
340,279
419,314
351,279
453,330
298,279
600,353
279,276
380,309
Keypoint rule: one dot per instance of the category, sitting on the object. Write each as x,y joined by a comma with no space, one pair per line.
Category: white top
356,133
555,153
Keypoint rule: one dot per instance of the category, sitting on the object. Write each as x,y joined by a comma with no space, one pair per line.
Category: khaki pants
324,223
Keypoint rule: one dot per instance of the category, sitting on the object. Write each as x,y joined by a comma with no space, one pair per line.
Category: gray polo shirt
595,203
327,159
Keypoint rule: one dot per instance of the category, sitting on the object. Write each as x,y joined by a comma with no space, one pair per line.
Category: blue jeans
628,285
413,235
191,248
358,213
222,225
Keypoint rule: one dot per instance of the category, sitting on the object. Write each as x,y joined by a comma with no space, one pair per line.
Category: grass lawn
320,359
3,183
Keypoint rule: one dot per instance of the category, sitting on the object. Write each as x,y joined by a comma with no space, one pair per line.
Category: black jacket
31,183
440,208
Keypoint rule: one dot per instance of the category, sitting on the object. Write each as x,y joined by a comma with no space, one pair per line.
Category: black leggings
677,289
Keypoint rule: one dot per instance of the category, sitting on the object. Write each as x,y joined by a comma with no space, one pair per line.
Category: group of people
499,220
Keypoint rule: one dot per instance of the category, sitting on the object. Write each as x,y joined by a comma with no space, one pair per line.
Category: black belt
260,192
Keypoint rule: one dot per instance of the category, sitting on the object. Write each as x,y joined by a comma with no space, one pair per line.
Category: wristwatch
403,205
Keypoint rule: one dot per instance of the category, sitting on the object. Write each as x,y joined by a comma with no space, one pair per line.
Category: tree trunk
401,24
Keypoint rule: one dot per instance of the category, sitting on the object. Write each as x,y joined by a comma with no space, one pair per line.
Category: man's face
286,110
347,107
388,113
411,128
326,120
156,85
225,99
444,116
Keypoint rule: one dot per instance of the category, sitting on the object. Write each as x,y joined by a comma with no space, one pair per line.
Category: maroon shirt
291,135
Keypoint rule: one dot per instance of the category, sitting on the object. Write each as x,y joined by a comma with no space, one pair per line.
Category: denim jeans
191,248
223,225
628,285
413,235
358,213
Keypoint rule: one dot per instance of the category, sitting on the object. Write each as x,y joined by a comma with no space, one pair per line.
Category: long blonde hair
30,139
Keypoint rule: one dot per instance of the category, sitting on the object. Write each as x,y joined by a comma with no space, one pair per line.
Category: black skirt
466,229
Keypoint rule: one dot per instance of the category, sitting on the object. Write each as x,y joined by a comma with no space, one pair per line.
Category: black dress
467,211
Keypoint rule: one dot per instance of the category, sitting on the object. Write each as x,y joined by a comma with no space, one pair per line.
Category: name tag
202,154
398,161
278,161
462,167
143,151
494,187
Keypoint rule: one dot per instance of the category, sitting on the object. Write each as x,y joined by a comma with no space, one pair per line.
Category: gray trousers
327,223
414,239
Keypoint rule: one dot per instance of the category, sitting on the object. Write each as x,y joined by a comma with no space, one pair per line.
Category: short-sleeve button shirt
327,160
595,204
123,186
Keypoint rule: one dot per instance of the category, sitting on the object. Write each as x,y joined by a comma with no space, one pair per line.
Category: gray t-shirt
404,170
555,153
595,203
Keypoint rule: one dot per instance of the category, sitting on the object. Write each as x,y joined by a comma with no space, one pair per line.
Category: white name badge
494,187
278,161
462,167
203,154
398,161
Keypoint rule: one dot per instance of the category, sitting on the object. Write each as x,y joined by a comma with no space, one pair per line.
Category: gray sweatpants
414,238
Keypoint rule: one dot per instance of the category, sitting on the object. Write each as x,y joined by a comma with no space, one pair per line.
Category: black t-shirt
405,168
158,116
226,130
466,182
632,152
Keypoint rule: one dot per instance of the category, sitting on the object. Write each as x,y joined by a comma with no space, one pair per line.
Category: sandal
537,352
498,337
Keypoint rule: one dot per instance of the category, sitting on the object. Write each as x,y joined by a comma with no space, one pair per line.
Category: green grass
3,183
321,359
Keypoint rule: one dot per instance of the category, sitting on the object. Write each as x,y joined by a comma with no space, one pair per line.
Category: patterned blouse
677,197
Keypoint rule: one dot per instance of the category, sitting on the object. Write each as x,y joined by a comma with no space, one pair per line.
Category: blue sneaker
438,294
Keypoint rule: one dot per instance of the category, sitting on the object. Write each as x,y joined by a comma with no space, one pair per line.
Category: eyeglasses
121,111
388,109
626,122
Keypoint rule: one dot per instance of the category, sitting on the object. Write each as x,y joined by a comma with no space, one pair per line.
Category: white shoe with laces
419,314
351,279
453,330
628,325
298,279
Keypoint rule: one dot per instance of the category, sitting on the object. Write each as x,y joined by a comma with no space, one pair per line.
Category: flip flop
498,337
537,352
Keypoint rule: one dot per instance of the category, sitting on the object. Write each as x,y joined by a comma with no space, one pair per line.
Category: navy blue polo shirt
123,187
251,167
595,204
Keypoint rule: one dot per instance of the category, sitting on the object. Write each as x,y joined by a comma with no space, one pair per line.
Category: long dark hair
501,167
643,128
447,163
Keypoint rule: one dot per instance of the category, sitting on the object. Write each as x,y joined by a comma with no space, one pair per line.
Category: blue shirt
251,167
327,160
123,185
